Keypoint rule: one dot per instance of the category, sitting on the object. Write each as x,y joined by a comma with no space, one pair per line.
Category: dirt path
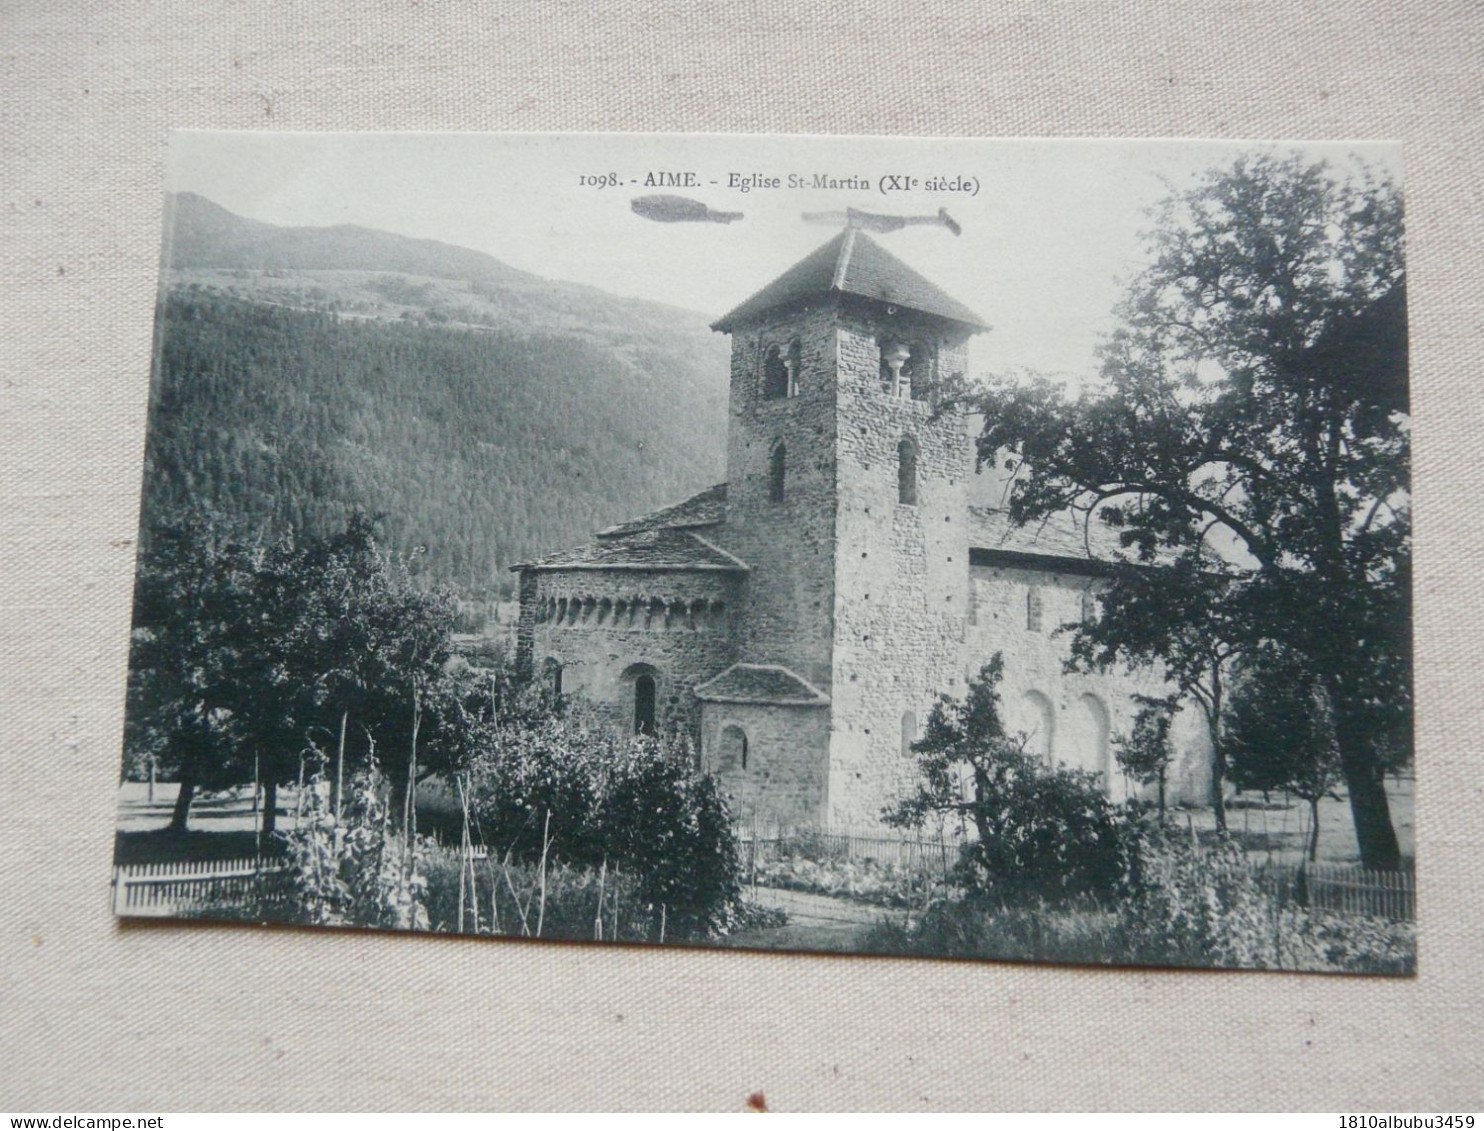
815,922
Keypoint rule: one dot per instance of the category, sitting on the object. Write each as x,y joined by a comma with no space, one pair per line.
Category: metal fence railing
1345,888
912,854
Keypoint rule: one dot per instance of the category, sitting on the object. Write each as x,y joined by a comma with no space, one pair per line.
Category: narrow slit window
644,704
732,755
777,473
907,473
1033,609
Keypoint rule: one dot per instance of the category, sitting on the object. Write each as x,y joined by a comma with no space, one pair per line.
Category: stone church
799,620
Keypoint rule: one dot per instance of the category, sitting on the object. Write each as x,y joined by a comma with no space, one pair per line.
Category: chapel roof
704,509
853,264
658,548
671,538
765,684
1063,540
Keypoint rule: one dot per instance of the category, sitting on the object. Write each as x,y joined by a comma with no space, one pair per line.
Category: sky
1050,229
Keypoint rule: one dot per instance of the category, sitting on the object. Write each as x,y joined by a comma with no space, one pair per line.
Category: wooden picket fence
181,887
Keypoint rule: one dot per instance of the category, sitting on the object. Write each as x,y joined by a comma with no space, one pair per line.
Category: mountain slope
206,235
490,414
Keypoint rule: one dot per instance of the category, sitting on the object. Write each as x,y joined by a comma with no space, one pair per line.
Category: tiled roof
764,684
706,509
1063,536
663,548
852,263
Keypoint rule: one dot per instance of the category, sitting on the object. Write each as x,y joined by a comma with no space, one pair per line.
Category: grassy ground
1279,828
222,826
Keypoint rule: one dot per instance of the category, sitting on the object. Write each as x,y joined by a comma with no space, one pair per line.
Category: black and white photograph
921,547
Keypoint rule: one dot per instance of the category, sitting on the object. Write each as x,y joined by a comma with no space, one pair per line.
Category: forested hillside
489,414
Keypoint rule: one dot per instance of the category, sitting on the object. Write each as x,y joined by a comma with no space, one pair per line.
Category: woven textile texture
95,1016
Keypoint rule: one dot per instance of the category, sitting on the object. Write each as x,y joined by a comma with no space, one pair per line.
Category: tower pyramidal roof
853,264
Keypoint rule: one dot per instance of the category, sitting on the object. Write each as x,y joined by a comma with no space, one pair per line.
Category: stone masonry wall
901,579
525,628
600,625
784,782
787,614
1070,718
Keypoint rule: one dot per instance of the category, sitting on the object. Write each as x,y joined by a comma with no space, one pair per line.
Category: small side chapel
799,620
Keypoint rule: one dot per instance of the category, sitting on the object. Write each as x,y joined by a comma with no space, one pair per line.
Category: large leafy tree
192,605
1280,734
375,643
1251,423
247,654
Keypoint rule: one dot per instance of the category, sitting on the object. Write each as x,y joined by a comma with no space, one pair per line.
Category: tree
368,644
1187,620
1146,753
1044,832
192,596
1252,422
1281,734
245,654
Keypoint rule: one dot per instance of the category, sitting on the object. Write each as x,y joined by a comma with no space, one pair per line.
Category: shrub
509,898
971,928
1183,904
358,872
1363,944
670,824
571,789
1203,905
1193,904
1044,832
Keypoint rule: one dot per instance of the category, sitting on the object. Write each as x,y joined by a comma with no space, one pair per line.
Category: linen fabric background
99,1016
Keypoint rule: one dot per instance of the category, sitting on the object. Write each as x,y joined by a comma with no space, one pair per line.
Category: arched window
907,472
777,472
917,373
644,704
896,377
795,367
775,375
1033,609
553,675
731,753
1038,722
1093,725
909,732
1087,607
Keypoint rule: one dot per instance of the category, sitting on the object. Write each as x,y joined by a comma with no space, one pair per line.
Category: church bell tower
847,497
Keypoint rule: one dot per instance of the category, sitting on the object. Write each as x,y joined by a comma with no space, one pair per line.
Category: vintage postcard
959,548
